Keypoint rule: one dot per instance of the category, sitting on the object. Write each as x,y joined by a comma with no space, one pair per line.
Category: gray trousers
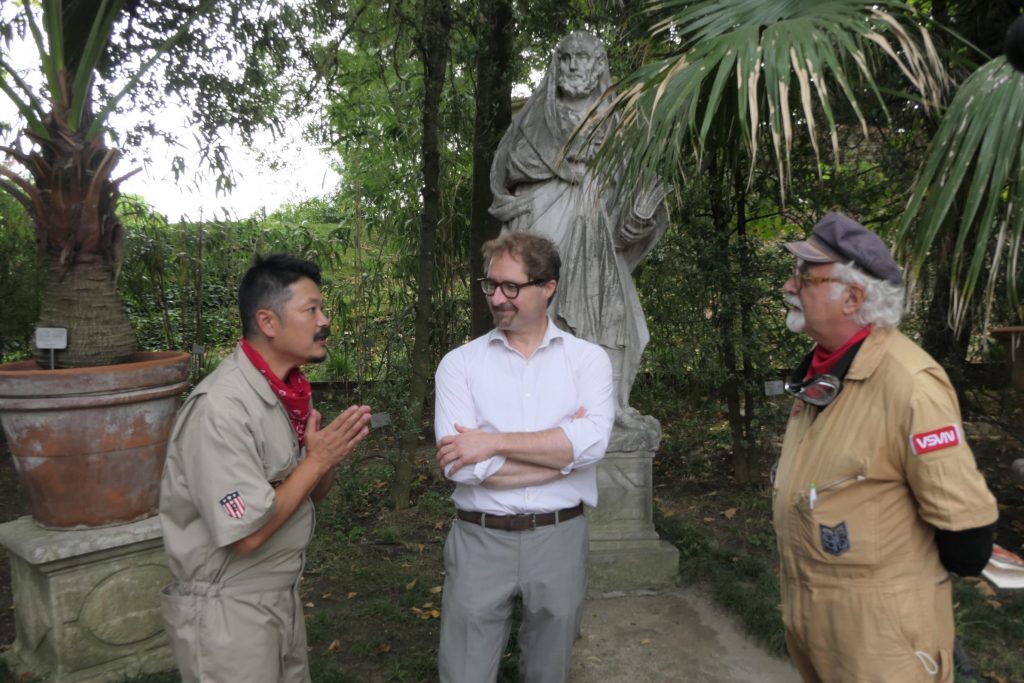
485,570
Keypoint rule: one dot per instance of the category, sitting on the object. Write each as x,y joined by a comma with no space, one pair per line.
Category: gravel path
676,636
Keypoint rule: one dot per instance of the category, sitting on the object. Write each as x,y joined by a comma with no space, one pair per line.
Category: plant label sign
51,338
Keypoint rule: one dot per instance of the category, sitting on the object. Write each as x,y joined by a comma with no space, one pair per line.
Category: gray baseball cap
837,238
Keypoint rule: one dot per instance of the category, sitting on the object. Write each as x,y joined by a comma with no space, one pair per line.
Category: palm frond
750,66
971,188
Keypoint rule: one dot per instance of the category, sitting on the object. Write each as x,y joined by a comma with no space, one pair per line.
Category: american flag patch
233,505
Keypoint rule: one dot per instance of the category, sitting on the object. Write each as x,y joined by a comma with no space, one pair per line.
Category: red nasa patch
935,440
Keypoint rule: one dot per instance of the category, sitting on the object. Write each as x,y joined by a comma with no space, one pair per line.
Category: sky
285,170
299,171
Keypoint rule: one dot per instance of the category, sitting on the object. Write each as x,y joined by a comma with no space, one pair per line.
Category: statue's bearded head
580,61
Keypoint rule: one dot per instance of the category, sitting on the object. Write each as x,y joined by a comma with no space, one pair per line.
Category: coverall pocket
914,623
181,614
839,523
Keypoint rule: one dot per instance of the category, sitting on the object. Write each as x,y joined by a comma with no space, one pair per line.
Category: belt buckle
533,522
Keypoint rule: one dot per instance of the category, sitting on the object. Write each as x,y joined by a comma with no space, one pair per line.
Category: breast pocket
839,522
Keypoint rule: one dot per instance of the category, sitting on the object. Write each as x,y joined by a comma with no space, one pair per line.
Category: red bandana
294,393
823,360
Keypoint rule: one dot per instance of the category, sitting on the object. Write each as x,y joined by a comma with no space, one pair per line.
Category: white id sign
51,338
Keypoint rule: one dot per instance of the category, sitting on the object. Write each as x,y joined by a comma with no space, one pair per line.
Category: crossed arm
531,458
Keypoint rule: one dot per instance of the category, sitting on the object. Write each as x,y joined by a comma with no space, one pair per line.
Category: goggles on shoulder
819,390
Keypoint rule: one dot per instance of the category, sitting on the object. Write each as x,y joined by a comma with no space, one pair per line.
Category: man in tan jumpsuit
876,494
246,456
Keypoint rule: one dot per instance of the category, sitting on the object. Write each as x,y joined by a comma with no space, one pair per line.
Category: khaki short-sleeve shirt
231,442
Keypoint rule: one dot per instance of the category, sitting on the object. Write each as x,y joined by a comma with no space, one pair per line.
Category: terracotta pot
89,443
1012,339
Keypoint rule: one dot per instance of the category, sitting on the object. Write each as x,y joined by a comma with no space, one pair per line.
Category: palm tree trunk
85,301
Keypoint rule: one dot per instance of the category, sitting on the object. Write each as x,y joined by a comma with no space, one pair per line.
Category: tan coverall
232,617
864,595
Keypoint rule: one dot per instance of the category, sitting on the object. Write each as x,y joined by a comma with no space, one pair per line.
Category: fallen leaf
351,594
436,589
669,514
439,525
384,647
327,596
592,658
645,641
416,610
709,520
421,547
730,513
335,644
993,603
985,589
409,586
309,604
428,605
434,613
993,676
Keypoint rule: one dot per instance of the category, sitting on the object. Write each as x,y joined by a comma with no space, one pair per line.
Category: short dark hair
538,254
266,285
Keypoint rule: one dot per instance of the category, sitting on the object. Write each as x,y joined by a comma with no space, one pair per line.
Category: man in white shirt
522,416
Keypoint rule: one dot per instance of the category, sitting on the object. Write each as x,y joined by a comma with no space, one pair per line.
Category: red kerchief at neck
294,392
823,360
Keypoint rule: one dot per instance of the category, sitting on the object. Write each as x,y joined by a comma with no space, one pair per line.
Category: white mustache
792,301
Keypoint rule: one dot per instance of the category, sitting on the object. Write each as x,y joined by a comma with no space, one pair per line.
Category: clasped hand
334,443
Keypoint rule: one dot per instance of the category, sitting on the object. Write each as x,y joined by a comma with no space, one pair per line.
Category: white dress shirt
487,385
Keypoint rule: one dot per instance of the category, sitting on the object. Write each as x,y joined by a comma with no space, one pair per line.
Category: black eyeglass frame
486,282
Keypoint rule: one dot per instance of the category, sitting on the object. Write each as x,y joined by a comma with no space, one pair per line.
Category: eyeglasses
509,289
801,278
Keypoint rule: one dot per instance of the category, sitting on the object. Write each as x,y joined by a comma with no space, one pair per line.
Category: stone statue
542,180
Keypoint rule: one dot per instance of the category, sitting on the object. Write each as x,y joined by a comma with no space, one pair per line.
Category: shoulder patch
936,439
233,505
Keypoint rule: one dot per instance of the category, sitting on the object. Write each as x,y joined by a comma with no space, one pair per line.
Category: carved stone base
626,553
86,601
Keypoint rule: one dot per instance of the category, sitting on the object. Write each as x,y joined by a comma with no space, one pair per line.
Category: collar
871,353
254,377
552,332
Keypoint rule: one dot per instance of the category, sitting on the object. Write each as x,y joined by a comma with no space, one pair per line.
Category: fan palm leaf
741,68
971,189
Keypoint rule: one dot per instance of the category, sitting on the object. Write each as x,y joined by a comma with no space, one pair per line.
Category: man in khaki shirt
876,494
246,457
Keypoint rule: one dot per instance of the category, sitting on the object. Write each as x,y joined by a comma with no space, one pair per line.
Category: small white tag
775,387
51,338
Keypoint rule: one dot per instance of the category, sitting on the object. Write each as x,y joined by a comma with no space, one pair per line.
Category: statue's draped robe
539,185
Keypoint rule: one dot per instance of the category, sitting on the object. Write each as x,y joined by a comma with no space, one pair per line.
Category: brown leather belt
520,522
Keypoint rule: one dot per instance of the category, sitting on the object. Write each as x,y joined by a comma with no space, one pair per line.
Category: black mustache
322,334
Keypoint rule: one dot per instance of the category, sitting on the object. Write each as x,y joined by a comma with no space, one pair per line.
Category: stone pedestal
86,601
626,553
